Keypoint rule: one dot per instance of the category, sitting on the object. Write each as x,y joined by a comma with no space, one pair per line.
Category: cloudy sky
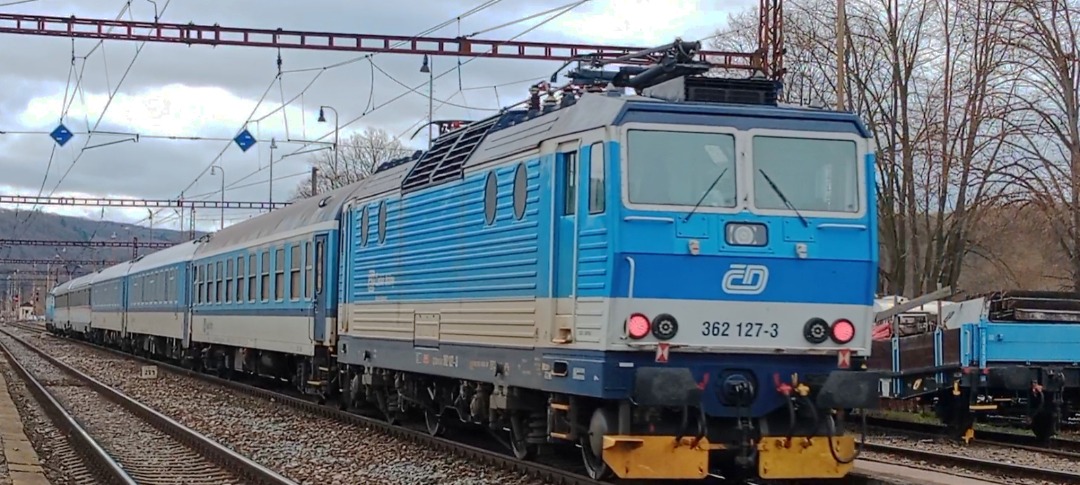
210,93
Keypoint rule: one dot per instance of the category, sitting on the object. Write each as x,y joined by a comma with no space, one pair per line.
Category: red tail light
637,326
842,331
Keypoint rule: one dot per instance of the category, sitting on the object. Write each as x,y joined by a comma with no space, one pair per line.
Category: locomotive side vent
717,90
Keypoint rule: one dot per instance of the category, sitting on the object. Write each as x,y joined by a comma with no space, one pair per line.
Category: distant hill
47,226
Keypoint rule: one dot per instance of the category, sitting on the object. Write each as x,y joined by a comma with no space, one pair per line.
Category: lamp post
213,170
426,67
337,128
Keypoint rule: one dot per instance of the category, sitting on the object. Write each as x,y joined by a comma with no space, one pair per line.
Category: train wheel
519,438
594,465
592,444
433,422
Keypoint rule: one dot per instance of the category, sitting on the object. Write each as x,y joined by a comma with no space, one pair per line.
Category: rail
209,448
1009,470
1066,449
100,464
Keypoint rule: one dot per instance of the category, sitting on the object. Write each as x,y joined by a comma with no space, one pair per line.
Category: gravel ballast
306,448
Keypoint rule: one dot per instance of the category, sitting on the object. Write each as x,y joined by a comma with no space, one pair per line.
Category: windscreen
681,168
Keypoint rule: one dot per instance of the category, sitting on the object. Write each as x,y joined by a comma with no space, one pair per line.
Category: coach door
319,294
564,254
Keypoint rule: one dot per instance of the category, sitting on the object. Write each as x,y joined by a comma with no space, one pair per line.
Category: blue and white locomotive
673,281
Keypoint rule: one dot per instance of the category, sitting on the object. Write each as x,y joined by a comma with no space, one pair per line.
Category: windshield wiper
783,198
706,194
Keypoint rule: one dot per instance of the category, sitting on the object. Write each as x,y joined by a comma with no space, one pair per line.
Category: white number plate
740,329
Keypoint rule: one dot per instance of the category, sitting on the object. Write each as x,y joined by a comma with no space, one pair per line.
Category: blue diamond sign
61,135
244,140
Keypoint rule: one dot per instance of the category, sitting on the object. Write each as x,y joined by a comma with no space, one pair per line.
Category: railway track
558,473
121,440
1012,472
1064,450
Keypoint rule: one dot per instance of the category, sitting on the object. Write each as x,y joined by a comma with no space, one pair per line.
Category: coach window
382,222
294,272
491,197
239,298
319,251
365,226
570,185
597,178
198,284
264,285
252,274
309,272
279,274
230,280
210,283
220,298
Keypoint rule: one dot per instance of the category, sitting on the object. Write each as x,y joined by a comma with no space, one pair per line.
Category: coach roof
180,253
298,215
112,272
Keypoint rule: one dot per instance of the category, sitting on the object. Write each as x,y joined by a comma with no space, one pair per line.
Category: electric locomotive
675,281
678,282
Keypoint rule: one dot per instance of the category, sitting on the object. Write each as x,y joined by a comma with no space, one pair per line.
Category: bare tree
1045,33
929,80
357,157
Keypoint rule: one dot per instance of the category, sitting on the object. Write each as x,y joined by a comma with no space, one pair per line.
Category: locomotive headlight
746,234
842,331
816,331
664,327
637,326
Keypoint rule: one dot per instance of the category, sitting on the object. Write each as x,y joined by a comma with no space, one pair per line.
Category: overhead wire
322,69
104,110
63,114
415,89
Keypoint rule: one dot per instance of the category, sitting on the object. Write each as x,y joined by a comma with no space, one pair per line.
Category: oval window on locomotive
679,168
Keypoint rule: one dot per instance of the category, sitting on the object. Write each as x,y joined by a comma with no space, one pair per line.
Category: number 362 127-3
741,329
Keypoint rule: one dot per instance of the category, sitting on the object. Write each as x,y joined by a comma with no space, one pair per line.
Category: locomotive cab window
681,169
813,175
569,184
597,178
